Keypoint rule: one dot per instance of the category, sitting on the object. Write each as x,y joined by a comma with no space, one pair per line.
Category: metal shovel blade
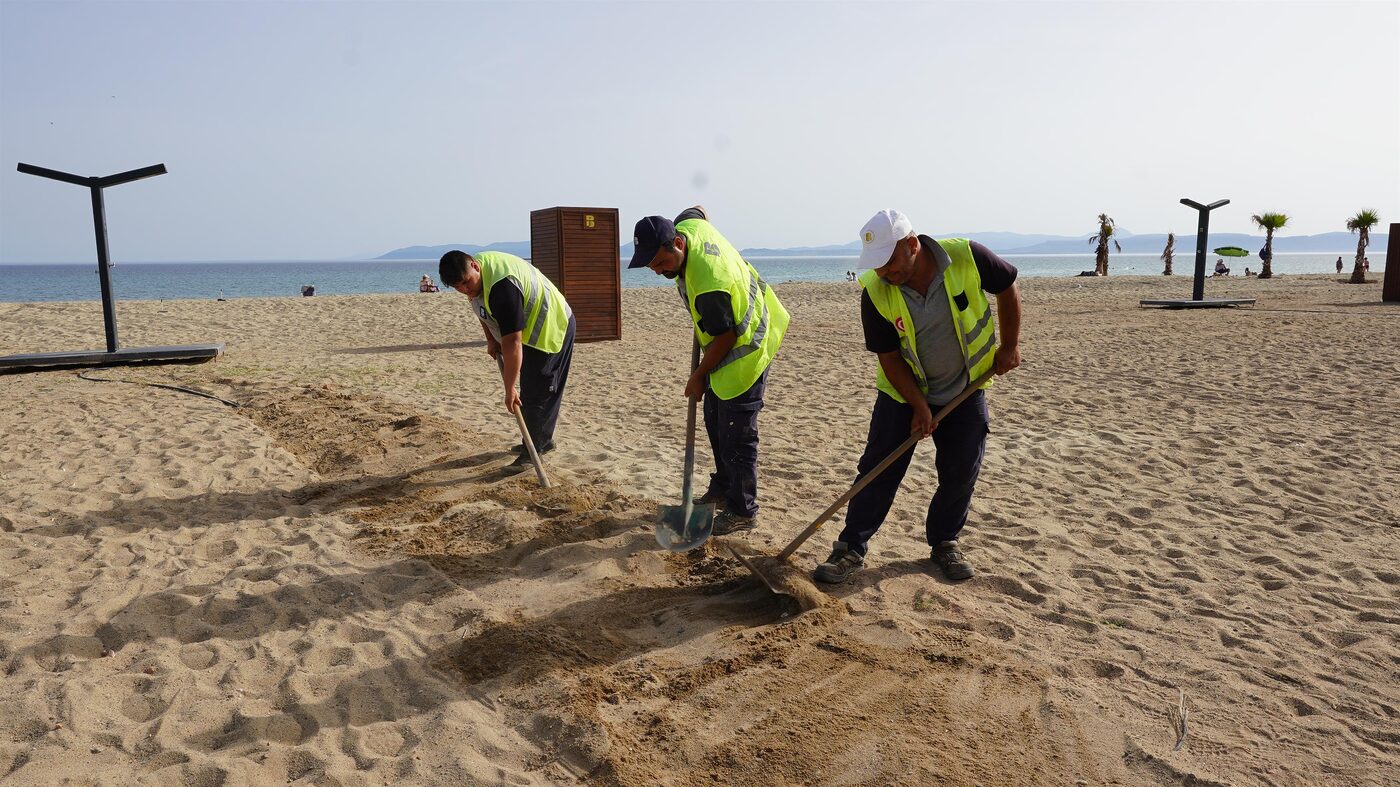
679,534
783,595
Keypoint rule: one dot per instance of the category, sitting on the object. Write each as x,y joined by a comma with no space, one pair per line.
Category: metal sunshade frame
115,354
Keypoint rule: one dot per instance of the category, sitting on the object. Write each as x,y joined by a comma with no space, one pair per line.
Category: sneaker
711,498
524,458
727,522
840,565
546,448
950,559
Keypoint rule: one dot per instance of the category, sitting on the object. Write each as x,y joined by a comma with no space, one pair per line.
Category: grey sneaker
950,559
840,565
727,522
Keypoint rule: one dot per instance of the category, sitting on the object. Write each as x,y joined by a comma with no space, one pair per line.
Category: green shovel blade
677,534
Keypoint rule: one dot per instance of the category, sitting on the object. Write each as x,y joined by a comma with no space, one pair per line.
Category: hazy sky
337,129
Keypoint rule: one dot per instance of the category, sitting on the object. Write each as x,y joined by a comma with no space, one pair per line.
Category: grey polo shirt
936,335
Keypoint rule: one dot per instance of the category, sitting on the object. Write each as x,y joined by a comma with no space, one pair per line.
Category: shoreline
433,260
1375,277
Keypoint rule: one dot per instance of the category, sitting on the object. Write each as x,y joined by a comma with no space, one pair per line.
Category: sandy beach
340,582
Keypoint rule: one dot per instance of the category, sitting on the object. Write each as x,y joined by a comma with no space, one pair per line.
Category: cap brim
876,256
641,258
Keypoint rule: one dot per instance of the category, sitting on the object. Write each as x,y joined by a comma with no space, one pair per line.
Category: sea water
210,280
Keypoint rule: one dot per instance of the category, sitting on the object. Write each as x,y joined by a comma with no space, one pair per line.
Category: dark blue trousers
959,441
542,379
732,425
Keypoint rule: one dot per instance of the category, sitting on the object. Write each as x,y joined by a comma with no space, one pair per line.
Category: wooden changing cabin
577,248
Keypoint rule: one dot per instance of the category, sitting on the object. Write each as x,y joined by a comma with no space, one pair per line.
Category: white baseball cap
880,235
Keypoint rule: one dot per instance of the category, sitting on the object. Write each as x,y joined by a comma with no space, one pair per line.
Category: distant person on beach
1366,264
924,312
425,284
529,328
739,324
1221,269
307,290
1339,265
1248,272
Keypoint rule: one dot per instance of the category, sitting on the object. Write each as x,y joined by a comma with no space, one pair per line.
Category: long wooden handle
687,488
530,446
525,434
878,469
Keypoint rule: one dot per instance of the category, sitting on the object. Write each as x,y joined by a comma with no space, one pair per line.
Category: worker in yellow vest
739,324
529,328
925,315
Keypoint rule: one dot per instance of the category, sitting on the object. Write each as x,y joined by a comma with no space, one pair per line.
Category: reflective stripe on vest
712,265
974,327
546,311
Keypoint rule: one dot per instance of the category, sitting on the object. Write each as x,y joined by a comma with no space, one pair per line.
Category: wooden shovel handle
525,435
878,469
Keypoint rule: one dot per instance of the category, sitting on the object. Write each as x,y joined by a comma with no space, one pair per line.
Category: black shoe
546,448
524,458
712,498
727,523
950,559
840,565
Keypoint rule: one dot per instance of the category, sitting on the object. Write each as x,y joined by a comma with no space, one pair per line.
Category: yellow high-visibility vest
976,333
712,265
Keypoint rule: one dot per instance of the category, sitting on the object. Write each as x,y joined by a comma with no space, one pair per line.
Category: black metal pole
109,305
1198,289
99,225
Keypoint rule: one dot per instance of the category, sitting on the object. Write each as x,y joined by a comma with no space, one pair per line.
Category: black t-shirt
716,308
997,276
508,307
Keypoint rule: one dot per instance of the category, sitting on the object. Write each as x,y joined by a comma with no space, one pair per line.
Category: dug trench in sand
347,587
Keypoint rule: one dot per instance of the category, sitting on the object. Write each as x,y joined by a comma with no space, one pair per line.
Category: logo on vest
711,249
899,324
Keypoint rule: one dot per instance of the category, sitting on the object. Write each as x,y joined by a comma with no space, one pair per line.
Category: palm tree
1268,222
1167,254
1105,234
1362,222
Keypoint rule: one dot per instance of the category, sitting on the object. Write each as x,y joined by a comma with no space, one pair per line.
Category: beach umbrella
1231,251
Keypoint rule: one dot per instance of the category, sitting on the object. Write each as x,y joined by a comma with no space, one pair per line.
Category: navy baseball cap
647,237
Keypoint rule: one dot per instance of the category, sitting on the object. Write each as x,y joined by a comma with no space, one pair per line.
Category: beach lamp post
114,353
1198,289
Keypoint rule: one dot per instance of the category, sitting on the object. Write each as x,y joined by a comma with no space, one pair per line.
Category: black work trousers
732,425
959,440
542,379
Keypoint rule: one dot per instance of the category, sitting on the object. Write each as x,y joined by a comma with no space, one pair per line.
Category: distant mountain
1000,242
1340,242
851,249
520,248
